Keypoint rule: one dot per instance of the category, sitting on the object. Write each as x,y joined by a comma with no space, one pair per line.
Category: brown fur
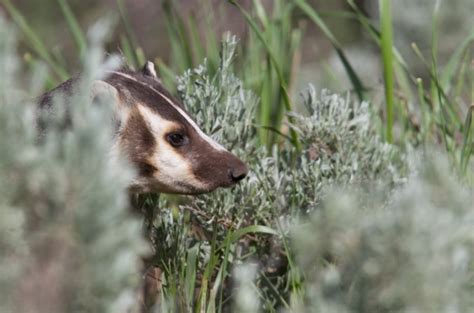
139,143
214,168
143,144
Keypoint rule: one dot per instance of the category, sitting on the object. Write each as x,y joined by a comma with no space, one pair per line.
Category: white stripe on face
172,167
213,143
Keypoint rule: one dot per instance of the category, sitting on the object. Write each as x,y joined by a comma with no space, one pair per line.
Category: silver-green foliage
404,250
224,108
340,147
14,133
62,199
221,104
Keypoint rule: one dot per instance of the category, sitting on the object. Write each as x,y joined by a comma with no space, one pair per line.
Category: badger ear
149,70
101,90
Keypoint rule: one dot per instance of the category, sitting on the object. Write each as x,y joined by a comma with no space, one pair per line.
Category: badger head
170,152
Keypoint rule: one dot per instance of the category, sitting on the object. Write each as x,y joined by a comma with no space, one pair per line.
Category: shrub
339,148
411,250
62,199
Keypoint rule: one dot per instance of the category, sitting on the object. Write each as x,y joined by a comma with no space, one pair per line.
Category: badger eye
177,139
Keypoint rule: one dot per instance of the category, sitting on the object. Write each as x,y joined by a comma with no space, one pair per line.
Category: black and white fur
169,151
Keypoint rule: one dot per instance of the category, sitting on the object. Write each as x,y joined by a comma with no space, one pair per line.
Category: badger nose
237,173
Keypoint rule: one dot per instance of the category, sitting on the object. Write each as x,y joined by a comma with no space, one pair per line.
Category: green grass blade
266,104
449,70
127,51
167,76
375,34
213,43
208,272
140,56
433,65
403,74
316,19
434,32
129,33
261,14
387,59
182,55
468,143
185,41
197,45
191,273
34,41
75,29
461,76
285,48
227,255
214,292
276,131
261,229
276,66
295,276
449,108
437,94
424,108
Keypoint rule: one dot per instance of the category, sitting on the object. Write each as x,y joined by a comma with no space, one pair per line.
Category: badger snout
230,169
219,169
238,171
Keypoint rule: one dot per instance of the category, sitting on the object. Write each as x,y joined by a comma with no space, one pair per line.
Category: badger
162,142
154,132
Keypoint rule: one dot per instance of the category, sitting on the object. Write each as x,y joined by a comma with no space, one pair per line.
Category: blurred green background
411,18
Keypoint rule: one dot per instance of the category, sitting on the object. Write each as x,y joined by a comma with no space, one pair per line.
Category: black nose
239,172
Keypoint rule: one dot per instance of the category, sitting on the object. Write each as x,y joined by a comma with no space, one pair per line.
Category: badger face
169,151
